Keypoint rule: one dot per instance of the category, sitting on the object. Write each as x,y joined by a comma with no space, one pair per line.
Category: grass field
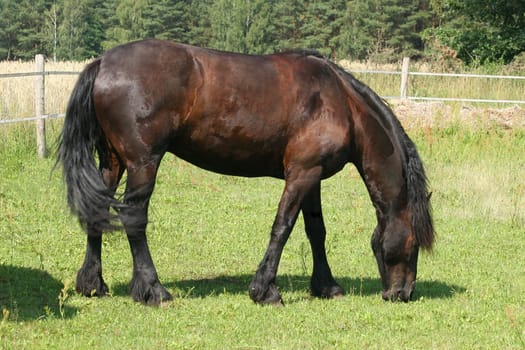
208,233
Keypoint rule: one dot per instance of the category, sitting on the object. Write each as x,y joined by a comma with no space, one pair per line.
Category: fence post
404,77
40,106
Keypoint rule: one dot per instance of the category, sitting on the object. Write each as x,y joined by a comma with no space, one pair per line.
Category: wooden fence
40,73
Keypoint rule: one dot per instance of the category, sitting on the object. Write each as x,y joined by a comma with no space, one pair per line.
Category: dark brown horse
294,116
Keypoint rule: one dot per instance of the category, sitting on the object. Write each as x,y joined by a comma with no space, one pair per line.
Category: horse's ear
429,195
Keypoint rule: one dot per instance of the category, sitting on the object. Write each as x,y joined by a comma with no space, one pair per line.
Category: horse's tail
87,195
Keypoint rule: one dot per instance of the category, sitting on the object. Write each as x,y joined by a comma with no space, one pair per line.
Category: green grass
208,233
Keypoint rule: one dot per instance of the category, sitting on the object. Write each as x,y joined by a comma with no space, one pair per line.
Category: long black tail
88,196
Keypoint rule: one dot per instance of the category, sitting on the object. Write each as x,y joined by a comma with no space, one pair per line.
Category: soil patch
438,114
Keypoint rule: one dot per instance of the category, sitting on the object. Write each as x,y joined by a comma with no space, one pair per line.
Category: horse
294,115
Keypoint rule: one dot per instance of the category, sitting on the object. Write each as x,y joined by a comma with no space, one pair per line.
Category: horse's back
225,112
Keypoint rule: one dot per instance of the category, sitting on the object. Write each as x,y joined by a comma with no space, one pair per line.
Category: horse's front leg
263,288
145,286
322,283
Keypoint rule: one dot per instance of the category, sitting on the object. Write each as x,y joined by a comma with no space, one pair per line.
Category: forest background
472,32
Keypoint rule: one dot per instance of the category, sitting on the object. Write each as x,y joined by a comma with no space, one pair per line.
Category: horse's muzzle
399,294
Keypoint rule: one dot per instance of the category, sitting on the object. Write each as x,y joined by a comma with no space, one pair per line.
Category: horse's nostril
395,295
401,295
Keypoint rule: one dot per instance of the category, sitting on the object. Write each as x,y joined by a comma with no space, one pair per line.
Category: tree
22,32
81,31
480,31
167,19
406,19
229,23
383,30
260,31
321,25
9,27
52,29
199,24
289,18
128,23
354,40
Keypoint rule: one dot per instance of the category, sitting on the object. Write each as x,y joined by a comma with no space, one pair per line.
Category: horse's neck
380,163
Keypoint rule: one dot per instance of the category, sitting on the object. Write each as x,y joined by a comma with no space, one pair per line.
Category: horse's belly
230,158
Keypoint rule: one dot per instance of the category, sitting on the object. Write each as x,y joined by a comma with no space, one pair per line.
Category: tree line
473,31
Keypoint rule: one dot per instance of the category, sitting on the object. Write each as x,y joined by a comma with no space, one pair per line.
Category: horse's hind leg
322,283
145,286
89,277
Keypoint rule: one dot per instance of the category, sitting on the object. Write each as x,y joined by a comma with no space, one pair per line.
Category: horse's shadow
209,287
28,294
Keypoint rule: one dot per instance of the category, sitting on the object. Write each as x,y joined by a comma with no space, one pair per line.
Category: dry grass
439,86
17,94
417,115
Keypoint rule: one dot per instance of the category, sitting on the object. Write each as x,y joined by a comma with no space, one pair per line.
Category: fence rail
40,73
404,86
31,119
31,74
454,75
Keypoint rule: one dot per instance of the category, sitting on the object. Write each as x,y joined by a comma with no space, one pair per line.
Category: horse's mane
303,52
418,196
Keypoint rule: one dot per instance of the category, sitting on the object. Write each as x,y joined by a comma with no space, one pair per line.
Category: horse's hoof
275,301
263,296
149,294
91,284
331,292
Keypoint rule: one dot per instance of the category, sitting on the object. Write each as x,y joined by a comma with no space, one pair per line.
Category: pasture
208,233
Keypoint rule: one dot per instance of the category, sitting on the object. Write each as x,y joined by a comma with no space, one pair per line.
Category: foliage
381,30
481,30
22,28
81,30
390,29
321,26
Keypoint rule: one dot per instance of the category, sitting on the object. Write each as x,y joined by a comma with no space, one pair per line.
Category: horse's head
396,250
393,172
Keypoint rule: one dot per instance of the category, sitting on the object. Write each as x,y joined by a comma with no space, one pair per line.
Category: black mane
417,184
303,53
